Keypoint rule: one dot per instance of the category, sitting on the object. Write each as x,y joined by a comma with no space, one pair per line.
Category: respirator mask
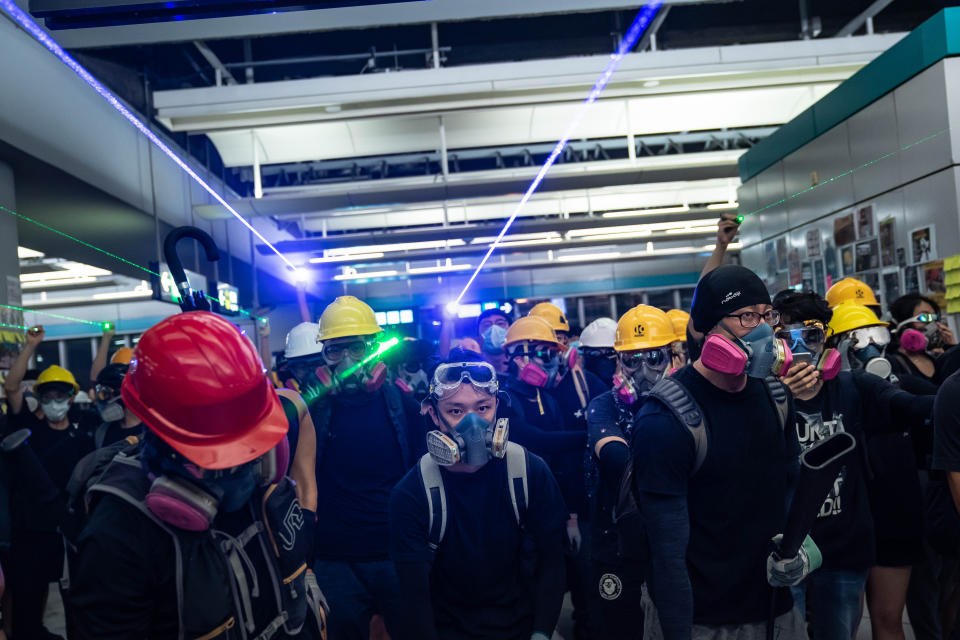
346,368
640,370
758,354
917,341
600,361
868,346
806,342
109,403
474,440
543,375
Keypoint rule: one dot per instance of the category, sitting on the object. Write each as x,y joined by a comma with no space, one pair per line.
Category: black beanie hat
723,291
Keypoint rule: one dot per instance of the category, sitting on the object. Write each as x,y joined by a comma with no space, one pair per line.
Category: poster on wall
813,243
781,254
923,245
870,278
865,222
934,278
846,260
843,230
901,257
793,260
887,240
819,277
770,258
867,255
830,261
911,280
806,276
891,286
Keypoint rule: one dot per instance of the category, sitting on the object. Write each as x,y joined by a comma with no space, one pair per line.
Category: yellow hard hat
56,373
643,327
679,318
552,314
850,315
347,316
532,328
851,290
122,356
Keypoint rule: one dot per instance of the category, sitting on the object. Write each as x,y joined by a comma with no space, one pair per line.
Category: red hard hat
198,383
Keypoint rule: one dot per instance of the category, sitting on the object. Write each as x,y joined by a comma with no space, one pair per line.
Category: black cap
112,375
492,312
723,291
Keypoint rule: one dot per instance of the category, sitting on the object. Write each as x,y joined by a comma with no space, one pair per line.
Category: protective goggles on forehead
449,376
800,338
923,318
105,393
862,338
654,358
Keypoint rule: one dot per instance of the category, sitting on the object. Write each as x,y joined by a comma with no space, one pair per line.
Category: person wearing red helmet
200,534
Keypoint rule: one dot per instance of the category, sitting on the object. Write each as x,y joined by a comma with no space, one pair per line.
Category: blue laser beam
19,16
639,25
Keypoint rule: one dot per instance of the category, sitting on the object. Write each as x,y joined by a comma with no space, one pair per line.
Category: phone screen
806,358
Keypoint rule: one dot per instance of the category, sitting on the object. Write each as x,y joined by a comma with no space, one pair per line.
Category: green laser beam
54,315
14,326
313,393
844,174
107,253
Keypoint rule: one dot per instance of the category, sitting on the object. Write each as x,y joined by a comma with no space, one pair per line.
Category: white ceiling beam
223,74
363,17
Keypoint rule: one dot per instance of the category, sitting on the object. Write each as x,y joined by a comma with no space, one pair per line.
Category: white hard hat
599,334
303,340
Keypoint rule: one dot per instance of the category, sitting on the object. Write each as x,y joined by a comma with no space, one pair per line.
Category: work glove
574,539
789,572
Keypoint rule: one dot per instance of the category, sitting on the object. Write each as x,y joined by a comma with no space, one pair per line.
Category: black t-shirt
737,501
844,527
946,443
115,432
362,462
478,587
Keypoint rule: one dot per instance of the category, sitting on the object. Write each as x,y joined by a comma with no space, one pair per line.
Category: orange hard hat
197,382
122,356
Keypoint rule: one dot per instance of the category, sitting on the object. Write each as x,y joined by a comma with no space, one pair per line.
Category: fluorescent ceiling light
24,253
549,235
385,248
641,228
524,243
364,276
617,236
46,284
68,270
645,212
439,269
651,83
587,257
692,229
723,205
354,256
114,295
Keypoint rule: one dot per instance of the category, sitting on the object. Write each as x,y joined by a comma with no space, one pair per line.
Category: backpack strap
436,500
676,397
398,417
100,435
517,481
778,394
292,411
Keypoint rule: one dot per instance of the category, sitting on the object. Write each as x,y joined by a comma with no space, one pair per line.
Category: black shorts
899,552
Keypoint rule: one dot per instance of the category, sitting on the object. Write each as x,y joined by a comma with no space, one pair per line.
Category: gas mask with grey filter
865,348
473,440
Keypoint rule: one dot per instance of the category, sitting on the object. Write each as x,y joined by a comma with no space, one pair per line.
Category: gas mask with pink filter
639,371
543,374
806,341
349,368
758,354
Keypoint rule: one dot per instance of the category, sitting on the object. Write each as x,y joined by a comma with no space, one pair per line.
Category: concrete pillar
9,263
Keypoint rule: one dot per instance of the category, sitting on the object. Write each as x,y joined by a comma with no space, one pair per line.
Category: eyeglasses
751,319
653,358
926,318
862,338
803,338
449,376
598,352
333,353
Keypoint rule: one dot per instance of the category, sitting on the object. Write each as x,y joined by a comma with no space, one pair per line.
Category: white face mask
55,410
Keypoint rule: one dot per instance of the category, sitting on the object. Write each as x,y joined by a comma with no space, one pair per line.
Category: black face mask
602,367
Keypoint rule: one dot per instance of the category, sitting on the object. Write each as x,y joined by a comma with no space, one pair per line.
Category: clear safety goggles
546,354
653,358
862,338
449,376
803,337
358,349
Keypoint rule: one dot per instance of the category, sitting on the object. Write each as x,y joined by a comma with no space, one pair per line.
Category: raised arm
11,385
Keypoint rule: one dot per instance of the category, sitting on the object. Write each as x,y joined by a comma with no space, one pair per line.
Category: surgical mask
873,361
758,354
474,441
233,490
55,410
494,338
110,411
